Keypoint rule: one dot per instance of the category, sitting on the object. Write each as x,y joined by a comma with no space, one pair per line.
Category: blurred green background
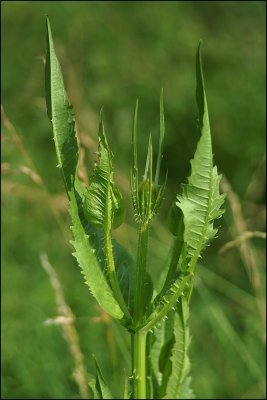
111,53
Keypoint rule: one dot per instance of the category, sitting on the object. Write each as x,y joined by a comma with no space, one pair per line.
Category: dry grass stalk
66,319
30,169
241,238
245,248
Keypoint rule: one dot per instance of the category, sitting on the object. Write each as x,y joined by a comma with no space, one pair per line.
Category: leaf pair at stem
121,287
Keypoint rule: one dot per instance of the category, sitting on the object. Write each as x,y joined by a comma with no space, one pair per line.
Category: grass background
111,53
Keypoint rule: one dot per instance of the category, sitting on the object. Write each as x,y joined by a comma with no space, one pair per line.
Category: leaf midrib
195,257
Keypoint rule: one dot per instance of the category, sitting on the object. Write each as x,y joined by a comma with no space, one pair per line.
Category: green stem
139,365
139,306
112,275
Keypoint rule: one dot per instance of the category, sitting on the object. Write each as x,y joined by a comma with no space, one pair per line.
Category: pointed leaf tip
60,113
101,115
199,47
200,200
47,21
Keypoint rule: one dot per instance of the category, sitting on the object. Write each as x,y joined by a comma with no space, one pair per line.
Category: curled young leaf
103,204
178,386
89,264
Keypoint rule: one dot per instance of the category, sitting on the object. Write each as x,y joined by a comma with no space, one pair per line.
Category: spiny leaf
61,115
89,265
163,304
180,365
200,200
103,203
165,364
186,391
160,340
157,342
124,264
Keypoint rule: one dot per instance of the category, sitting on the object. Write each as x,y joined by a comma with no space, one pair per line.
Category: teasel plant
156,321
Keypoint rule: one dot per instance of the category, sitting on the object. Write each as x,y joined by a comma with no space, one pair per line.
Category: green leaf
164,356
159,341
123,261
103,203
162,305
100,384
186,391
59,111
61,115
155,341
178,384
176,226
125,271
168,354
87,260
200,200
165,365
